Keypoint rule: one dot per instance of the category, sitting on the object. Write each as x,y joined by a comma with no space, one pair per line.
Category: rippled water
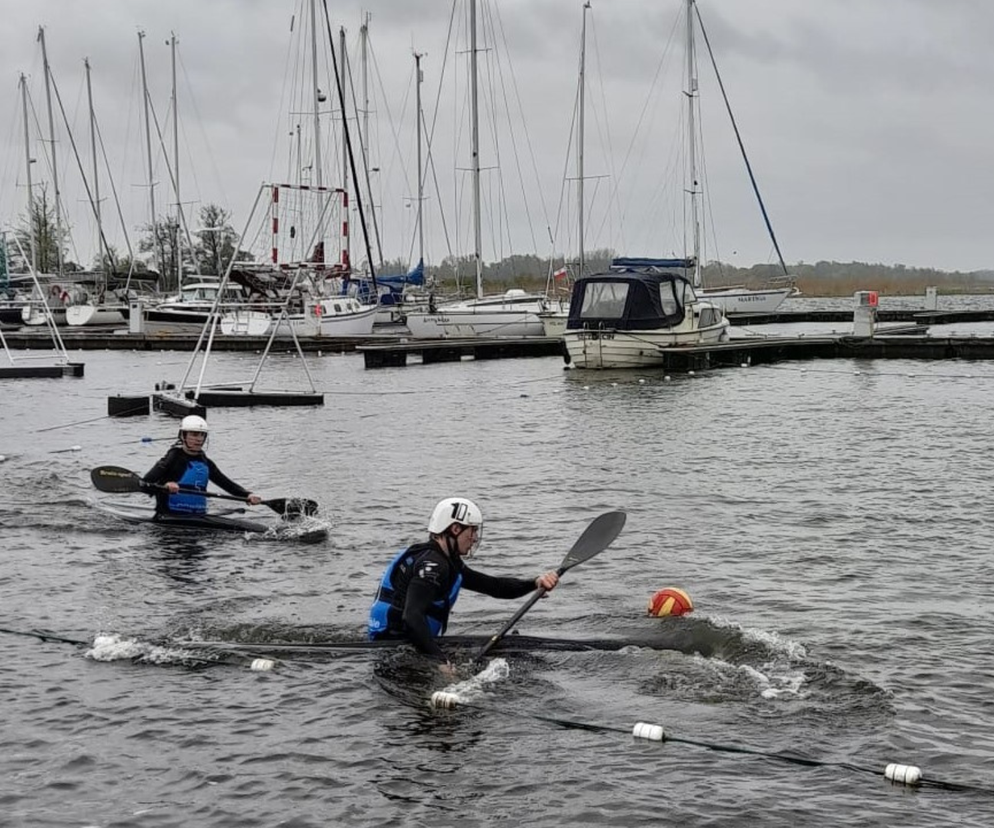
829,519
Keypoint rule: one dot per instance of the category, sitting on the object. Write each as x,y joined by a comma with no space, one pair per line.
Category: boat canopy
362,288
635,262
630,300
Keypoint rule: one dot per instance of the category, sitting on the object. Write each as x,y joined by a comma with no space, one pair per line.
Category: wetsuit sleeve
496,587
424,589
170,467
162,471
220,479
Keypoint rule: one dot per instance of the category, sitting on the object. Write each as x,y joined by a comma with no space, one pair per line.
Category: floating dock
454,350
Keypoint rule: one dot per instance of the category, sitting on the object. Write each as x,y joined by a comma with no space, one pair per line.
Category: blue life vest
196,476
386,614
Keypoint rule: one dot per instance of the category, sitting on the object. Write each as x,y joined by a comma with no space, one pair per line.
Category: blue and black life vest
386,616
196,476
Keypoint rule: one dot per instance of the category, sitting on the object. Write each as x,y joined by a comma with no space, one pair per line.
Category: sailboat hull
743,300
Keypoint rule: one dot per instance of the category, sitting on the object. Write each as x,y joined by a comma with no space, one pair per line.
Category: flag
560,275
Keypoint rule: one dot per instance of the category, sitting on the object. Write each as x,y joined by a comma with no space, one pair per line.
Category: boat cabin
635,299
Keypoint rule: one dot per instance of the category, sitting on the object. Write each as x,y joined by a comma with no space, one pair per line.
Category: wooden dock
395,354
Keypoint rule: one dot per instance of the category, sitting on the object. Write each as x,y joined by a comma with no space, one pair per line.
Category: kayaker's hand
254,499
172,487
547,581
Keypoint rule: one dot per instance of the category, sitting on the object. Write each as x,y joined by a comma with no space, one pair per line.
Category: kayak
511,643
134,513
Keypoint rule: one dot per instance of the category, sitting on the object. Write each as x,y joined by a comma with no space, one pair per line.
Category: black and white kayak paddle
597,537
116,480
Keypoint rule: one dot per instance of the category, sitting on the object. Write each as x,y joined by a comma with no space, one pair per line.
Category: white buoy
652,732
445,700
903,774
262,664
642,381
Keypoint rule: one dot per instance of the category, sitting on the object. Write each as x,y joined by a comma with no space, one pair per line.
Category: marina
502,277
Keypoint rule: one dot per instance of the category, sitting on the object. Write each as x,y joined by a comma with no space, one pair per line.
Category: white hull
34,315
609,348
515,314
554,322
348,319
81,315
743,300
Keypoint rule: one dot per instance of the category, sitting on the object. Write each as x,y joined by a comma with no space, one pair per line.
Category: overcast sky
869,123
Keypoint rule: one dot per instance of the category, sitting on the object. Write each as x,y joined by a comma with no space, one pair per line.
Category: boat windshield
604,300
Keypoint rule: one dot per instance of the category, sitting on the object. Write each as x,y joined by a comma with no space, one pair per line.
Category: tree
39,229
159,239
216,241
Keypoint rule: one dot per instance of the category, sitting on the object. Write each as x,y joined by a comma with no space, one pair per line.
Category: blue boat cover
363,288
629,262
632,299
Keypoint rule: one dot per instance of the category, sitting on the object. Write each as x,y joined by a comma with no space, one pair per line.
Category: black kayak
133,513
511,643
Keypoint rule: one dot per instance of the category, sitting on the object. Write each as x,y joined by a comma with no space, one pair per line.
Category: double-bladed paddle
116,480
597,537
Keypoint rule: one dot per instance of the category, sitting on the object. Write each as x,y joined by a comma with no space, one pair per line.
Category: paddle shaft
595,539
117,479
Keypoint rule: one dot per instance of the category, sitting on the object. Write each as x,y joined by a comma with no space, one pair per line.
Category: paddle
116,480
597,537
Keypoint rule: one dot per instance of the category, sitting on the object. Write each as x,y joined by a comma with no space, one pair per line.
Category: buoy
262,664
670,601
903,774
445,700
644,730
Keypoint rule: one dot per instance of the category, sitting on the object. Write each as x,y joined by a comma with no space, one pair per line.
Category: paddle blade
597,537
116,480
292,507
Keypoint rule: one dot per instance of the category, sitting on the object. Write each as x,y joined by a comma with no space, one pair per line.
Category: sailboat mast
27,167
580,141
475,132
418,115
51,138
318,177
148,154
691,94
176,238
343,73
104,262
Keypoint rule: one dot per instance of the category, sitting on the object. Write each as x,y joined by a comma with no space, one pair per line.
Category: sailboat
732,300
515,313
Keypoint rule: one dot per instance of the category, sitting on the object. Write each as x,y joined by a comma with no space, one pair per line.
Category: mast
475,119
580,142
691,94
318,177
51,138
176,237
345,143
27,167
104,262
148,153
418,115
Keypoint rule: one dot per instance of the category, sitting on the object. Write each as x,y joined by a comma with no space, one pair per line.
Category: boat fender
445,700
652,732
318,310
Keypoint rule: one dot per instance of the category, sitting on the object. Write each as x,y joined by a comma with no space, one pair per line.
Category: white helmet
454,510
193,423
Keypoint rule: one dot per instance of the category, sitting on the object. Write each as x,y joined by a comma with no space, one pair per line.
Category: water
829,519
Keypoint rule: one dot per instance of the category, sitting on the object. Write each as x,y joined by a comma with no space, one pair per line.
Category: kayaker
422,583
186,465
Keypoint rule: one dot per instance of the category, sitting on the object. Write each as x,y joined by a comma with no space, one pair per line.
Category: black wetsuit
173,466
418,591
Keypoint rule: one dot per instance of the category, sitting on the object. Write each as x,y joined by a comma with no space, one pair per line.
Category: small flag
560,274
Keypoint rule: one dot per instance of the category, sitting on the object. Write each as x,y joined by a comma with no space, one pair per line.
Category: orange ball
670,601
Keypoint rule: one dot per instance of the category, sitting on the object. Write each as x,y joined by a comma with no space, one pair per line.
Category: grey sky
868,123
